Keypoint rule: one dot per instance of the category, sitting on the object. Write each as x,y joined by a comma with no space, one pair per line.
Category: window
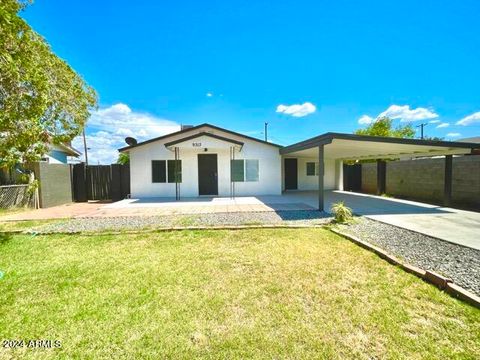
311,169
158,171
251,170
174,171
236,170
244,170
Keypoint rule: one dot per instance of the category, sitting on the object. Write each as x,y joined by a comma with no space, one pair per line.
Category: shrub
341,212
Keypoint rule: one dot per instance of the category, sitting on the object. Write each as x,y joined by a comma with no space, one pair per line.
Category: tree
384,127
433,138
43,100
123,158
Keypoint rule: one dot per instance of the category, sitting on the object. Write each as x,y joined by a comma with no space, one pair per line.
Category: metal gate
100,182
352,177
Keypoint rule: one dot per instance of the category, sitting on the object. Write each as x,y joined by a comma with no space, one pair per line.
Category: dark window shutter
158,171
174,170
310,169
237,170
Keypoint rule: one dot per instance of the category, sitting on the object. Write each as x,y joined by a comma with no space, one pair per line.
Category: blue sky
158,64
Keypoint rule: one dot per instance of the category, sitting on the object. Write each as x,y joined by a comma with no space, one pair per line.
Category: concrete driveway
457,226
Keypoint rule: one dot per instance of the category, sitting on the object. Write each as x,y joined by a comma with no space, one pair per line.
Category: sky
305,67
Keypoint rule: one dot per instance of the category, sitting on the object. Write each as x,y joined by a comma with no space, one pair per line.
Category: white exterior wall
269,158
311,182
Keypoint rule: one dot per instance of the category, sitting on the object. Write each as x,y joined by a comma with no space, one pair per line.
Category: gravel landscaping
457,262
303,217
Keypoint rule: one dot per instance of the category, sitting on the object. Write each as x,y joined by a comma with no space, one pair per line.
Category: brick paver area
56,212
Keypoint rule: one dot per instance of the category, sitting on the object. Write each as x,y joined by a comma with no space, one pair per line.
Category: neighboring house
61,154
58,154
475,139
207,160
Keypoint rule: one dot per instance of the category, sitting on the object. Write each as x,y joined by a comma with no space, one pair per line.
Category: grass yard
286,293
24,225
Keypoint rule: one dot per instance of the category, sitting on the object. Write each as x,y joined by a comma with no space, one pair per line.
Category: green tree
42,100
384,127
433,138
123,158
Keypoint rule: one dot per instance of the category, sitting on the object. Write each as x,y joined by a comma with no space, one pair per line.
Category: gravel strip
457,262
303,217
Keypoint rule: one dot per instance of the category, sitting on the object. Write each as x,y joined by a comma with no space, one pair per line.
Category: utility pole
421,126
266,133
85,147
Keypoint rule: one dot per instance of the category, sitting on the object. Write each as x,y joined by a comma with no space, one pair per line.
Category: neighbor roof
193,129
68,149
475,139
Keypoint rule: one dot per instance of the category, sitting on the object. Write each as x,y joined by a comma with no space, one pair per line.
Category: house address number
197,144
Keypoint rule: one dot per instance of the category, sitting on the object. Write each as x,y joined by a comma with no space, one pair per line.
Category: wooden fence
100,182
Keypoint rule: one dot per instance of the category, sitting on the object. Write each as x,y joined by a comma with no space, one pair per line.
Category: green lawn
24,225
286,293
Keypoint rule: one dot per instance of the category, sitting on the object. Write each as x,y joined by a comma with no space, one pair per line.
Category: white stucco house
207,160
210,162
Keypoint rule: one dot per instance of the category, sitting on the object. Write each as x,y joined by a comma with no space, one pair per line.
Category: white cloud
405,114
297,110
108,127
365,120
209,94
442,125
470,119
453,134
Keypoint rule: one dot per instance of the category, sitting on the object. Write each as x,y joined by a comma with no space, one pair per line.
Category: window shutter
251,170
310,168
158,171
236,170
174,170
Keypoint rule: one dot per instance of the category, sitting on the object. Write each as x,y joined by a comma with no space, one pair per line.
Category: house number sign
197,144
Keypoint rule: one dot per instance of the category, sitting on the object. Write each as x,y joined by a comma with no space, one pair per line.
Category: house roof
126,148
69,150
203,133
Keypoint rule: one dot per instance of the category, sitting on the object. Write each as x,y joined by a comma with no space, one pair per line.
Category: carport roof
350,146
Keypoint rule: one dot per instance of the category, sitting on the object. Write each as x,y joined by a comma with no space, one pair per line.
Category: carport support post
447,190
321,168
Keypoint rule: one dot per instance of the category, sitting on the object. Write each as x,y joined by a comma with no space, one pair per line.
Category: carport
335,148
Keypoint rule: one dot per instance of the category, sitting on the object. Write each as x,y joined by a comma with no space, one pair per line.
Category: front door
291,170
207,174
